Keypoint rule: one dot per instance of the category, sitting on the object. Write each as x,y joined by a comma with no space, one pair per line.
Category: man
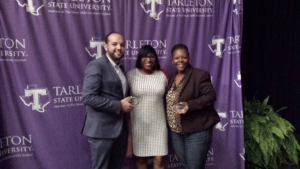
104,93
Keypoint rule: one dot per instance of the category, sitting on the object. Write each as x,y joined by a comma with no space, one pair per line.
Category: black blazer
200,96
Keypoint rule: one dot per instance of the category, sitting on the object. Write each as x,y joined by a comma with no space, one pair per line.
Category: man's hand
126,106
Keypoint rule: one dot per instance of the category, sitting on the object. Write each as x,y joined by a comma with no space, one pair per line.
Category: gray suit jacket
102,94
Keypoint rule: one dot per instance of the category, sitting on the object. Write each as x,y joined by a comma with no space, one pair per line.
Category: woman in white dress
148,120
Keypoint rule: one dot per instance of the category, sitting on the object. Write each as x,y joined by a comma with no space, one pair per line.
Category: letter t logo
152,11
216,41
36,96
95,42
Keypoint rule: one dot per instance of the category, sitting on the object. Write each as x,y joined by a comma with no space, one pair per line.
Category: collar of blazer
189,71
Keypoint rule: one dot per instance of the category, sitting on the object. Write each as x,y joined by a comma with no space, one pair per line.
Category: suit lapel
171,81
115,75
127,84
187,77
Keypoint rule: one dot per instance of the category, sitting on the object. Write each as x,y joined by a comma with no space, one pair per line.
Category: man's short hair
107,36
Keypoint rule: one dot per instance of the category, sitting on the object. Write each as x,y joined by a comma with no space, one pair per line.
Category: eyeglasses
150,56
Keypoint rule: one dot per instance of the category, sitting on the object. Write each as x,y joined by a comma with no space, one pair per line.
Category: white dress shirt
120,74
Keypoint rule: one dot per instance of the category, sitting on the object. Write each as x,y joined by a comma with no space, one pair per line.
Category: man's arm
91,90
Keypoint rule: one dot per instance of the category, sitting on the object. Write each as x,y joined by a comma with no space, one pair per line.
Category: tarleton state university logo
242,155
237,7
95,43
221,125
153,12
36,93
238,80
218,42
31,6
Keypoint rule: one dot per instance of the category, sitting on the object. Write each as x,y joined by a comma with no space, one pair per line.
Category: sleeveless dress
148,119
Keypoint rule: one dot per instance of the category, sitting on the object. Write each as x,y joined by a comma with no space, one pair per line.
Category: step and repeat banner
45,46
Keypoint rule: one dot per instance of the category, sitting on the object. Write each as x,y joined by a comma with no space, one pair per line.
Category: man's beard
114,57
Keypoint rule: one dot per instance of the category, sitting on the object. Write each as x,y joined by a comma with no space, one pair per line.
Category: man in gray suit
105,94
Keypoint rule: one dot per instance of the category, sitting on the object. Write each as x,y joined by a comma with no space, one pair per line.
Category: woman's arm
129,149
207,95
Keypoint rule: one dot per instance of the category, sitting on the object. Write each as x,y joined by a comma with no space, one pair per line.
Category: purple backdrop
46,44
